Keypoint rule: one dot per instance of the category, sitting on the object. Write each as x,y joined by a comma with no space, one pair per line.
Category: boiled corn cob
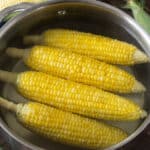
96,46
73,97
65,127
78,68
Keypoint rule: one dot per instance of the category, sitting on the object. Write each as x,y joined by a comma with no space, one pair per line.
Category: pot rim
118,13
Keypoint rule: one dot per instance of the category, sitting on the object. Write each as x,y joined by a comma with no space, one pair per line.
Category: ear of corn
79,68
68,128
96,46
65,127
77,98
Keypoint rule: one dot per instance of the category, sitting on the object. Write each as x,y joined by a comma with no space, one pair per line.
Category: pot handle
12,12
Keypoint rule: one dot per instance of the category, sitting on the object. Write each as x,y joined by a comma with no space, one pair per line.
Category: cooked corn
78,68
96,46
73,97
65,127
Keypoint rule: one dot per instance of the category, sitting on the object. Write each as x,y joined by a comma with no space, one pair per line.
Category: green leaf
1,148
139,14
142,2
14,14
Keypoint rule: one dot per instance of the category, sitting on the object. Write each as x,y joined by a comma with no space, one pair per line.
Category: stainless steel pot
91,16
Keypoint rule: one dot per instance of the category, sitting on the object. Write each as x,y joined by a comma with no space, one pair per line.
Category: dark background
142,142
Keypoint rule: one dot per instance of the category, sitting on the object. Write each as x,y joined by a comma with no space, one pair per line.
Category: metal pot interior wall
78,16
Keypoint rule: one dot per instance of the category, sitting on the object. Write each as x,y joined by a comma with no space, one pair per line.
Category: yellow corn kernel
77,98
63,126
82,69
96,46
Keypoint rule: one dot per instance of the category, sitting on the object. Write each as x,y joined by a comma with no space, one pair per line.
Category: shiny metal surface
17,8
83,15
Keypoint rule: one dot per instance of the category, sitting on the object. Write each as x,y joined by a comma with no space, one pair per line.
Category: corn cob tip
140,57
138,87
143,114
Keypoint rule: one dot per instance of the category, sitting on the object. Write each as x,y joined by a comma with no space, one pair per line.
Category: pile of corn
72,74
